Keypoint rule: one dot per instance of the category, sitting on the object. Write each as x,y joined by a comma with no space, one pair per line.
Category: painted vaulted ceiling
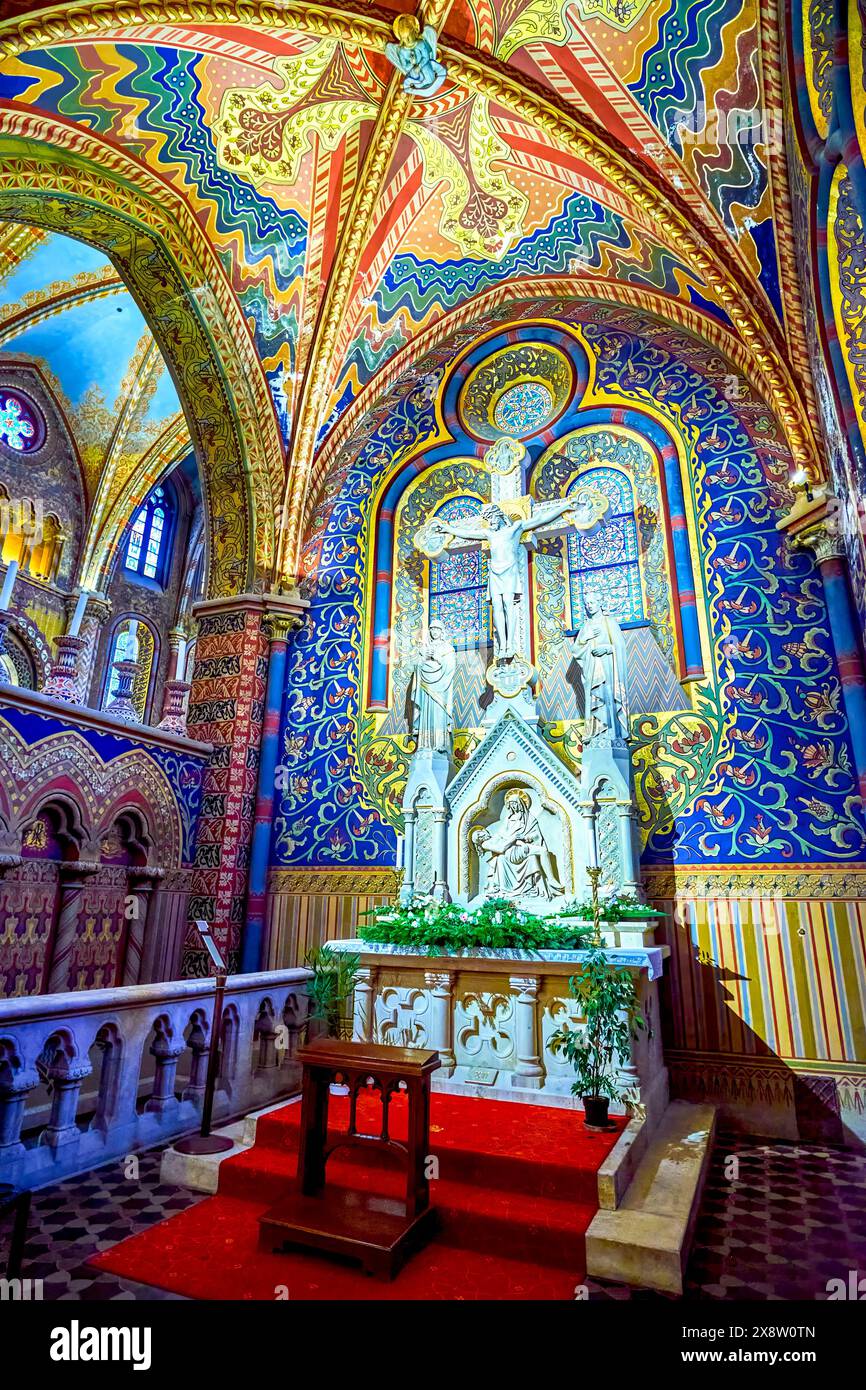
617,143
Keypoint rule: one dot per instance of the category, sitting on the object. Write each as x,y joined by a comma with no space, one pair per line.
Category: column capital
145,876
98,608
439,979
524,984
278,625
823,538
71,869
267,604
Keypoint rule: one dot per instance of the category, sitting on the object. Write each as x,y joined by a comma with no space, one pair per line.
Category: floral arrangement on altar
615,907
445,928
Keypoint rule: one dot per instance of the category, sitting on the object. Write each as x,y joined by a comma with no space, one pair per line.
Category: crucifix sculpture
507,526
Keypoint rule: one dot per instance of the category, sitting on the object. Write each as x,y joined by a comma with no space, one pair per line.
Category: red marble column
226,709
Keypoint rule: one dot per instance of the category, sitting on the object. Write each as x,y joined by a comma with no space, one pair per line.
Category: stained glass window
20,426
606,561
148,544
458,583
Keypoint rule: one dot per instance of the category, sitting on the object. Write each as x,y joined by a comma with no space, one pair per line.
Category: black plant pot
595,1111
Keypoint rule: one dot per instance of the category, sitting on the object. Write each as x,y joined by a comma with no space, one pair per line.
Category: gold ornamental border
335,882
532,291
822,882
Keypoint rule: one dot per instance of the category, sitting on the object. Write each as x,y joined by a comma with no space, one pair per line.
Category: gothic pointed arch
77,186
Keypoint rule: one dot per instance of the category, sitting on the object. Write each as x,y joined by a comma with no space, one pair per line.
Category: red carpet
515,1193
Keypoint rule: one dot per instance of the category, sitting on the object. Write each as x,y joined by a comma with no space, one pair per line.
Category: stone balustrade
94,1075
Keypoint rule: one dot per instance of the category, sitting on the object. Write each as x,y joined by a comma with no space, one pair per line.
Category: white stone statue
414,54
519,860
431,691
507,578
600,650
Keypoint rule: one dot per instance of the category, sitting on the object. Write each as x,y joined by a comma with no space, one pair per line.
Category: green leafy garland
445,928
619,907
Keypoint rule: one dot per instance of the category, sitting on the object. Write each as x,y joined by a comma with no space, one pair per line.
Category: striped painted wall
763,998
751,975
299,922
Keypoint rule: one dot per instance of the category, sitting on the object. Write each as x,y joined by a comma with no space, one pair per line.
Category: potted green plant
608,1003
330,990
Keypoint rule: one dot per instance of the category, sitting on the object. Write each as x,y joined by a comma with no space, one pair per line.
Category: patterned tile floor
72,1221
777,1221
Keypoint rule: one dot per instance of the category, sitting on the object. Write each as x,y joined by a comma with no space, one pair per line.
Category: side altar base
490,1015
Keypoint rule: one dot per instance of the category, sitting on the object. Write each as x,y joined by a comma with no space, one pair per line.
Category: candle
181,657
8,584
131,644
78,615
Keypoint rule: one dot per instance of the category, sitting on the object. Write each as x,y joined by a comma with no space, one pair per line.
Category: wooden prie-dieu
378,1231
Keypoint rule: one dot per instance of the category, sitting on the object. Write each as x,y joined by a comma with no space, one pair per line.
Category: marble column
631,881
66,1078
166,1051
362,1020
72,881
440,882
588,814
199,1044
528,1072
407,889
13,1101
441,985
277,625
172,716
141,883
825,541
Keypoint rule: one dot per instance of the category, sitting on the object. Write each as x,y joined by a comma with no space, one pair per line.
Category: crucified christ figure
506,583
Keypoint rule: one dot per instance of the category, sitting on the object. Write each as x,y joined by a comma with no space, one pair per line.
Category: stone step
645,1242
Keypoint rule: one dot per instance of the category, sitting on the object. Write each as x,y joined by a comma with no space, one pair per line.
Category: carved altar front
490,1015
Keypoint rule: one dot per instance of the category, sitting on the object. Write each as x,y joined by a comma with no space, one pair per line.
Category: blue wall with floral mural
760,771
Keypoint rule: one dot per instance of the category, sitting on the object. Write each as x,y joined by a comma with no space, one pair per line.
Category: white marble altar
490,1015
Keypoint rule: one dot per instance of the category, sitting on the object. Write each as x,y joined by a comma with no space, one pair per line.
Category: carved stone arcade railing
94,1075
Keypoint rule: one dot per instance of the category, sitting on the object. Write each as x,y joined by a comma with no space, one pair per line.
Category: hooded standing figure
432,692
600,651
